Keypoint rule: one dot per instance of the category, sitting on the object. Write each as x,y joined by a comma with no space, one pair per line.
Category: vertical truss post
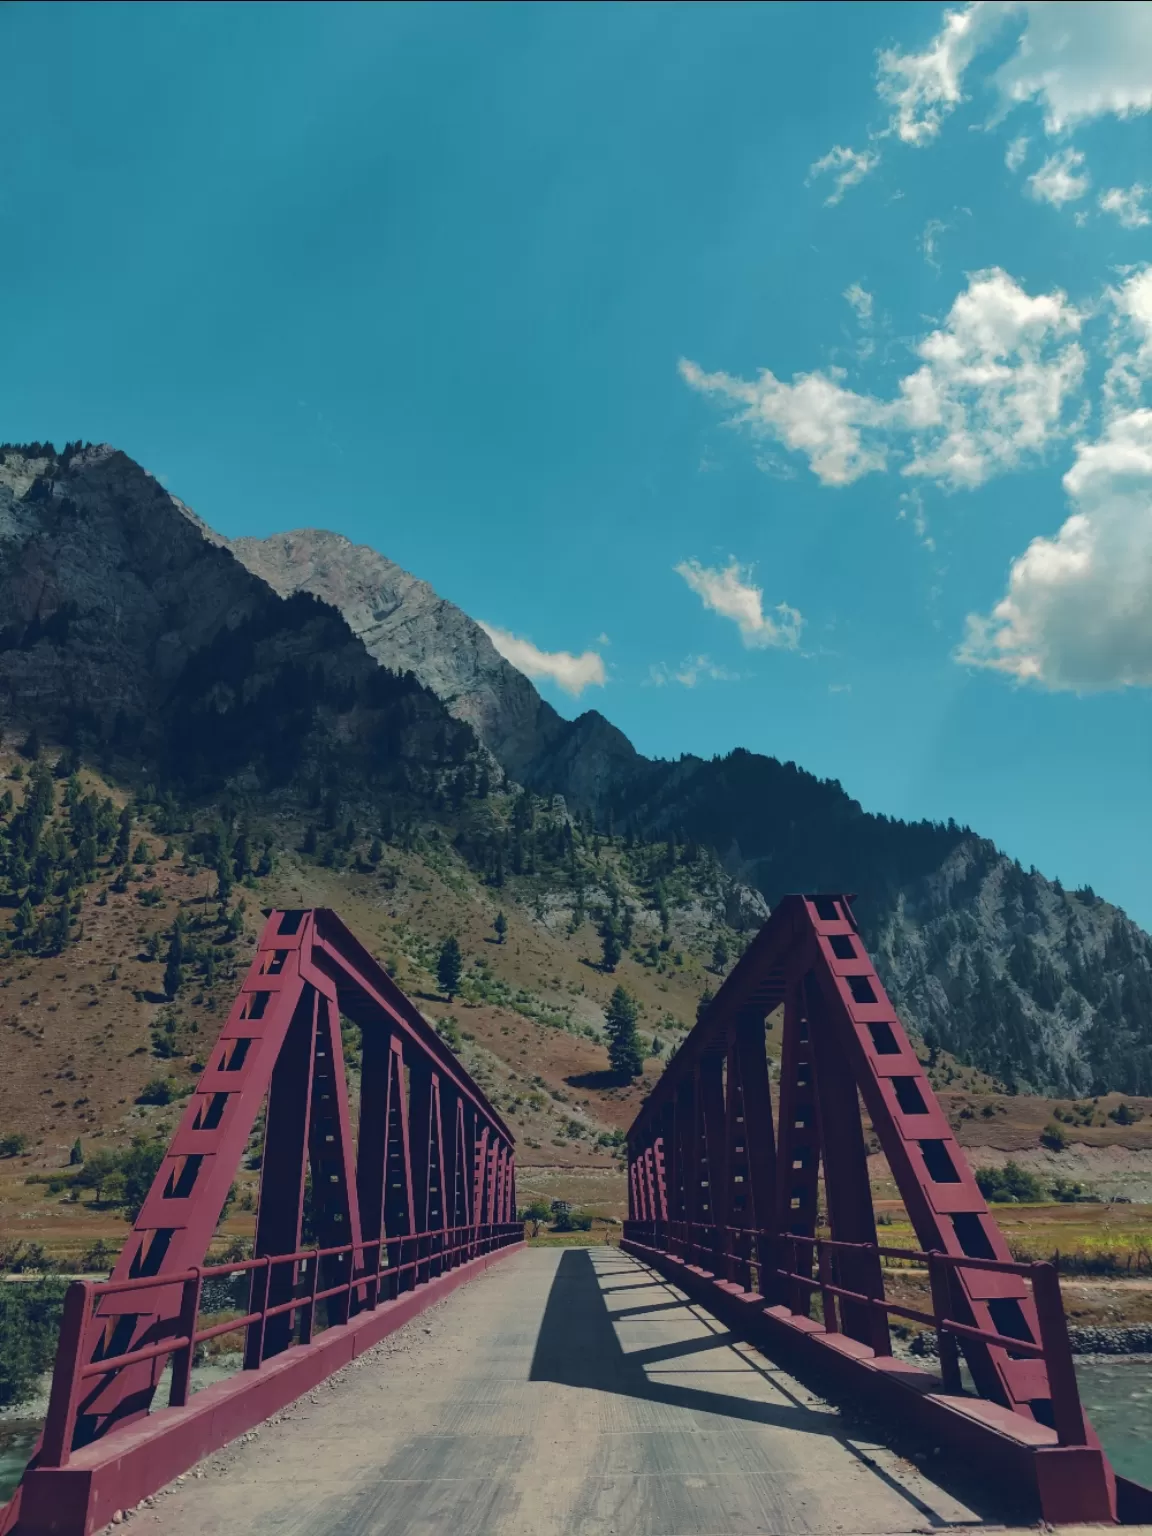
399,1199
798,1163
283,1167
847,1191
759,1140
422,1132
713,1181
334,1209
687,1167
660,1177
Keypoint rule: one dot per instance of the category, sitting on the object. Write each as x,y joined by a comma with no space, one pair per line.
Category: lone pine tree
624,1050
448,967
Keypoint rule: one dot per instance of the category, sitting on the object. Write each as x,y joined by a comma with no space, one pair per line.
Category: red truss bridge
728,1206
704,1375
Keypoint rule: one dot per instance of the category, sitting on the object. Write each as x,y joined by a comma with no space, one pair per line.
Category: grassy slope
77,1028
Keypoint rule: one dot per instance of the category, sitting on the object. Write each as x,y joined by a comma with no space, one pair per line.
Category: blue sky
773,376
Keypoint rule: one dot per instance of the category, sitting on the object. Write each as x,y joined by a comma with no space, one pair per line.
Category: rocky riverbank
1134,1339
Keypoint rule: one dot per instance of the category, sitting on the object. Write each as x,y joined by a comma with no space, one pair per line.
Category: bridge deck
566,1391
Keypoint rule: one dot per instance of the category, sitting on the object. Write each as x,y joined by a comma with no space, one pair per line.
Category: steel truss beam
713,1189
427,1184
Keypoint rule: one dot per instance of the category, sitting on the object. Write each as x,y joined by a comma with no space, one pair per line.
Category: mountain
160,650
407,627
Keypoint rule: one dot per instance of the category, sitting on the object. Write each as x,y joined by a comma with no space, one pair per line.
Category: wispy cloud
731,593
991,391
572,673
1127,204
1061,179
848,167
692,670
1078,61
861,302
1016,152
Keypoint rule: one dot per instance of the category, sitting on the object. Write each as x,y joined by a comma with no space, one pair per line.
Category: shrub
29,1326
1053,1137
12,1144
158,1091
1010,1184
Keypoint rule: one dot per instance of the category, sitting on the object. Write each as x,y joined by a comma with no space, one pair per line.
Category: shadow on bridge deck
567,1393
702,1368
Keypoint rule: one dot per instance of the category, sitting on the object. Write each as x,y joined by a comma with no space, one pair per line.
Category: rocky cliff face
128,626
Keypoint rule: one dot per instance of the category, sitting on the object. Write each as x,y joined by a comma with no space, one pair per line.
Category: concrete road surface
565,1391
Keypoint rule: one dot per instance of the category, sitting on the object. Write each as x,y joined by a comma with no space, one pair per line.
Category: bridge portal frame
734,1211
422,1200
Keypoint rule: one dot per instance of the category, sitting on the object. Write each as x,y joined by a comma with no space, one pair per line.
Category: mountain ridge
130,622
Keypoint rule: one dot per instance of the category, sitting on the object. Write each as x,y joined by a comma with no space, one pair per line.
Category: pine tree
123,838
500,927
625,1052
76,1156
173,972
610,947
448,967
705,1000
241,855
376,852
719,954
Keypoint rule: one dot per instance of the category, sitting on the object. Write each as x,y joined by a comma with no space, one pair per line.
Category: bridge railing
395,1265
795,1267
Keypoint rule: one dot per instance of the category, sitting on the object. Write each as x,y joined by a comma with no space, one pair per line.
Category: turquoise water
17,1437
1117,1397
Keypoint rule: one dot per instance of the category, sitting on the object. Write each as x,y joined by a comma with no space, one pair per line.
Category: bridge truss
761,1222
354,1236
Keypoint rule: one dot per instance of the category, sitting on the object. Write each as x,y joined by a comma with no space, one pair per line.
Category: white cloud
1131,342
691,670
814,415
730,593
850,166
1016,152
572,673
861,302
1078,59
991,390
924,88
994,381
1127,203
1060,179
1077,615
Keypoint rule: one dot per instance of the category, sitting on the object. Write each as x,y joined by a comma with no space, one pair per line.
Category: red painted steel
744,1209
378,1209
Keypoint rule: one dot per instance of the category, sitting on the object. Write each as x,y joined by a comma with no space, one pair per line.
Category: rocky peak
407,627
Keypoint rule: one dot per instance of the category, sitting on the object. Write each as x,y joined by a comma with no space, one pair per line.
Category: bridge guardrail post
308,1310
1067,1413
827,1299
60,1424
946,1345
258,1302
182,1359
